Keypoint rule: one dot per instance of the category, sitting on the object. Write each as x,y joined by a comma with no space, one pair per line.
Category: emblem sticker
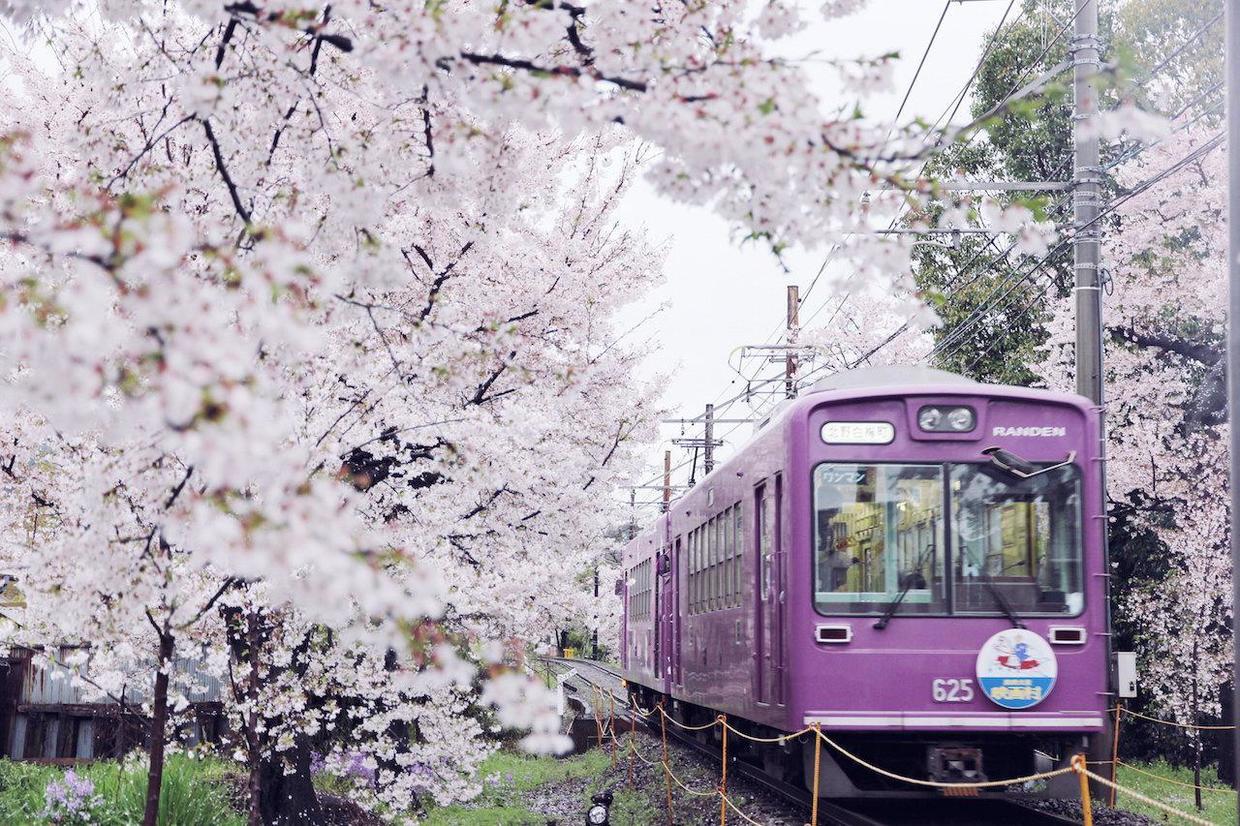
1016,669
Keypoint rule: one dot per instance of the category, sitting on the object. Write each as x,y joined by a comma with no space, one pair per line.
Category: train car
911,560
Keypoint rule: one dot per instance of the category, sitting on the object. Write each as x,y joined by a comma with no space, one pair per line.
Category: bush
194,793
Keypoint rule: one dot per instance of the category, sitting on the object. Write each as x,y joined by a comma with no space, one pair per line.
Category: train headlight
943,419
960,419
929,418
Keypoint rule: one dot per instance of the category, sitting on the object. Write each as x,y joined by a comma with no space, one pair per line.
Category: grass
193,793
507,775
1220,806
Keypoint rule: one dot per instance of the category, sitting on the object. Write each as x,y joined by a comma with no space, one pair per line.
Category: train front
947,599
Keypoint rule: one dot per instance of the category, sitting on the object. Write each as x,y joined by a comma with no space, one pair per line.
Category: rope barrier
727,801
934,784
1148,801
1131,767
780,739
693,792
1078,765
1132,713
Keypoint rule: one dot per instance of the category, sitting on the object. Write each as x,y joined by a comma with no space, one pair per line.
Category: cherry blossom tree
306,323
1166,414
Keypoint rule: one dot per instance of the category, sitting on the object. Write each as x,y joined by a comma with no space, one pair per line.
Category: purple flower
69,801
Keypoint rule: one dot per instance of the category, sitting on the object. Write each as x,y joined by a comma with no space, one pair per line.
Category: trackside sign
1043,432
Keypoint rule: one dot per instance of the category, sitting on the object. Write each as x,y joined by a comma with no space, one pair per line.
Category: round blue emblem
1016,669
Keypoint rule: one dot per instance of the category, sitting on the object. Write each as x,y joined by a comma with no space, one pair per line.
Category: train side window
764,543
693,572
738,553
713,530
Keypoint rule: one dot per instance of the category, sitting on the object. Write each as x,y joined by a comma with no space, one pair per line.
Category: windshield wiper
890,611
1000,599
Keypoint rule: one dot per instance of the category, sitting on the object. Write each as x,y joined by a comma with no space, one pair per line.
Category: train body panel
862,566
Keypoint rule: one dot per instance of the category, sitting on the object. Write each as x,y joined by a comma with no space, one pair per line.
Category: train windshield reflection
1020,534
879,530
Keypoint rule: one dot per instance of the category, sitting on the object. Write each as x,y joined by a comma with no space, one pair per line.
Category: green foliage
507,771
194,792
1220,806
487,816
629,808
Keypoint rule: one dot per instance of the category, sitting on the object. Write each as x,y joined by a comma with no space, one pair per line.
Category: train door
667,616
779,588
673,607
764,613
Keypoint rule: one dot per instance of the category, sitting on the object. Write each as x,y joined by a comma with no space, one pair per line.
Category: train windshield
878,533
880,536
1016,540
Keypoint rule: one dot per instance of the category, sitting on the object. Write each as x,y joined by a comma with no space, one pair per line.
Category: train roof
888,376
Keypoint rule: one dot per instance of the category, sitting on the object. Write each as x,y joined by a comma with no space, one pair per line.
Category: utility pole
1233,333
667,480
790,360
1086,203
708,453
1087,255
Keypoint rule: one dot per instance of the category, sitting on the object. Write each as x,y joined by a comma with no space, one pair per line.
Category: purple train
910,559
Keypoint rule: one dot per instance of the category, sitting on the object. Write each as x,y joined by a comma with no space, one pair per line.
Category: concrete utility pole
667,480
794,325
1233,328
1087,253
708,453
1086,203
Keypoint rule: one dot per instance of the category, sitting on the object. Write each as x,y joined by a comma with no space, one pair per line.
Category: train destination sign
858,433
1016,669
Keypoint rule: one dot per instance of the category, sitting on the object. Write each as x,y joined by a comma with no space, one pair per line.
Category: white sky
719,295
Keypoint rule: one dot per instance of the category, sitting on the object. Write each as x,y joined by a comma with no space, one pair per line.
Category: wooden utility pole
790,360
667,480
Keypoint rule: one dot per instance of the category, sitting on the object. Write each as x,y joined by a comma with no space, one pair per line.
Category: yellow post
723,782
598,722
1115,754
667,768
813,811
1078,766
611,725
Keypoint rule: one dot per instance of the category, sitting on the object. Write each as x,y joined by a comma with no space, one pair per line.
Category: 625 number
952,691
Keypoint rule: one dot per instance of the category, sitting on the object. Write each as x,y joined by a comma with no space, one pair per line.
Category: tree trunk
289,798
1196,734
159,723
255,817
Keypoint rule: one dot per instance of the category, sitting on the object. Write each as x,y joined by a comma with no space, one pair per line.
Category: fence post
611,725
1078,766
723,782
813,811
667,768
1115,752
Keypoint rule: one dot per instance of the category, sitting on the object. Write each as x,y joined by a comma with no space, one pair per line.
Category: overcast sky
720,295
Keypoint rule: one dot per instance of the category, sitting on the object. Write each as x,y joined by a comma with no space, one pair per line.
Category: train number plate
952,691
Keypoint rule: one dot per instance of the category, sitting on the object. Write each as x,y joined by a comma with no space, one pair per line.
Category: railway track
944,812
